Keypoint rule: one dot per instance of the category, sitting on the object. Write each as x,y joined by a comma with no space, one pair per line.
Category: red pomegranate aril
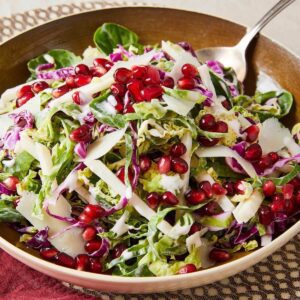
206,187
82,262
264,163
273,156
95,265
297,198
287,191
253,152
121,174
59,91
23,90
178,149
76,98
186,83
39,86
118,250
70,82
150,92
81,134
94,211
102,62
89,233
269,188
128,109
229,186
195,197
207,142
139,72
252,133
207,122
122,75
82,69
179,165
221,127
81,80
92,246
168,82
84,218
189,268
211,208
118,89
195,228
98,71
119,107
145,163
24,98
226,104
289,206
153,200
49,253
278,203
164,164
296,183
135,87
169,198
189,70
11,182
265,215
65,260
239,187
218,189
219,255
152,76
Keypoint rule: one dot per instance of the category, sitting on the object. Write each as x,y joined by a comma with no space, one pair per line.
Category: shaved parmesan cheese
179,106
44,157
172,183
120,226
205,77
85,195
223,151
27,144
248,208
70,241
194,240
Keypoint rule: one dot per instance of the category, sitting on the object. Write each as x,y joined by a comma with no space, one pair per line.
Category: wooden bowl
152,25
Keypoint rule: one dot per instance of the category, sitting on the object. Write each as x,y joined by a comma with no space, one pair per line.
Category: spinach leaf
109,35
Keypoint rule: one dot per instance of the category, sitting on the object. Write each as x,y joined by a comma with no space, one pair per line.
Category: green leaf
147,110
108,36
8,213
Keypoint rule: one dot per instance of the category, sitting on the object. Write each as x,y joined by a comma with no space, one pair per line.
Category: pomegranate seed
218,189
135,87
265,162
153,76
189,268
207,122
195,197
229,186
129,109
289,206
102,62
92,246
277,204
97,71
265,215
195,228
178,149
70,82
253,152
95,265
118,250
59,91
119,107
153,200
189,70
23,90
24,98
252,133
49,253
84,218
211,208
139,72
226,104
206,187
207,142
122,75
179,165
273,156
168,82
65,260
121,174
39,86
296,183
81,80
164,164
89,233
93,211
287,191
76,97
11,182
239,187
297,198
145,163
82,69
269,188
169,198
219,255
186,83
81,134
118,89
151,92
221,127
82,262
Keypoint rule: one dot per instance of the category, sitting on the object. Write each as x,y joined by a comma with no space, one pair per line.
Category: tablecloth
276,277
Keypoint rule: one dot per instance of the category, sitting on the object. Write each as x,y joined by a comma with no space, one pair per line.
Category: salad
137,160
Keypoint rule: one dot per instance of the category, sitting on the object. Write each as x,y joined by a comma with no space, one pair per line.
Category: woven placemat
276,277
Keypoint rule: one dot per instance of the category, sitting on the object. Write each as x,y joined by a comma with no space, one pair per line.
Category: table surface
277,277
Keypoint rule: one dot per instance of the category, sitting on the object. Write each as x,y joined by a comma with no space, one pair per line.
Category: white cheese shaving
120,226
181,107
195,240
172,183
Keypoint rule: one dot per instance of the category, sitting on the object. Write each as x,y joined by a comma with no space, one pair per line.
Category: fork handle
251,33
